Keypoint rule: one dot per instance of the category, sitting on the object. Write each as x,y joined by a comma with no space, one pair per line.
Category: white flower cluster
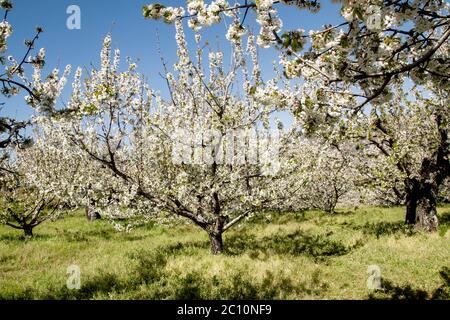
39,60
215,60
292,69
170,14
264,4
5,32
270,24
203,14
235,32
272,96
41,54
158,11
47,91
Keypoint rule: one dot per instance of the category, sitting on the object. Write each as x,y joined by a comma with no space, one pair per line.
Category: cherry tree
331,175
10,129
377,44
37,180
326,175
23,207
409,138
211,153
352,68
23,204
40,93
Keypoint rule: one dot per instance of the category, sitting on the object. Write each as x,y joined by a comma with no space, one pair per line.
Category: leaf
309,103
357,12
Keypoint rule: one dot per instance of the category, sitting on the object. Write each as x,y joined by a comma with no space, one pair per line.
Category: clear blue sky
132,34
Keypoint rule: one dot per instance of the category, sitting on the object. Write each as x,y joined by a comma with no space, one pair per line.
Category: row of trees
370,118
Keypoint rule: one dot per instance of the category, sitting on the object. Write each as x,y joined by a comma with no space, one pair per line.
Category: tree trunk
426,215
28,232
421,207
411,206
92,215
216,241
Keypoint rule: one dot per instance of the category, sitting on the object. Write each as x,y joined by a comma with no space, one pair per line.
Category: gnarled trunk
215,235
216,241
421,205
422,191
432,174
426,215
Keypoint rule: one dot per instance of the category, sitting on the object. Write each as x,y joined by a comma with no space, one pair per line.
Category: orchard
366,98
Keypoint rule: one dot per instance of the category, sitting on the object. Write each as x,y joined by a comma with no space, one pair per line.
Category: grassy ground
308,255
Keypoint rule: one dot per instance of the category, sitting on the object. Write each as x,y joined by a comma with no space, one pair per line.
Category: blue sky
132,34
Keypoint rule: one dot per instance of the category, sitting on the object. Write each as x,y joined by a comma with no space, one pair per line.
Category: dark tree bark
28,230
411,208
411,201
216,241
421,209
421,195
426,216
215,232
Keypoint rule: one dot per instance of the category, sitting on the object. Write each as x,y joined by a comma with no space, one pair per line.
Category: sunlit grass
309,255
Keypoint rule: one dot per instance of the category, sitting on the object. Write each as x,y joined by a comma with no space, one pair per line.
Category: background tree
408,137
331,176
23,204
37,180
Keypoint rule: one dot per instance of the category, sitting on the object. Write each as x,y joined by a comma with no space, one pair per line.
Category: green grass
308,255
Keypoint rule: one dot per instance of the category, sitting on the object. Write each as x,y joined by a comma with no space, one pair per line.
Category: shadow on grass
191,286
101,284
92,235
5,258
317,246
444,223
392,291
443,292
444,217
149,278
380,229
343,212
277,217
21,238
